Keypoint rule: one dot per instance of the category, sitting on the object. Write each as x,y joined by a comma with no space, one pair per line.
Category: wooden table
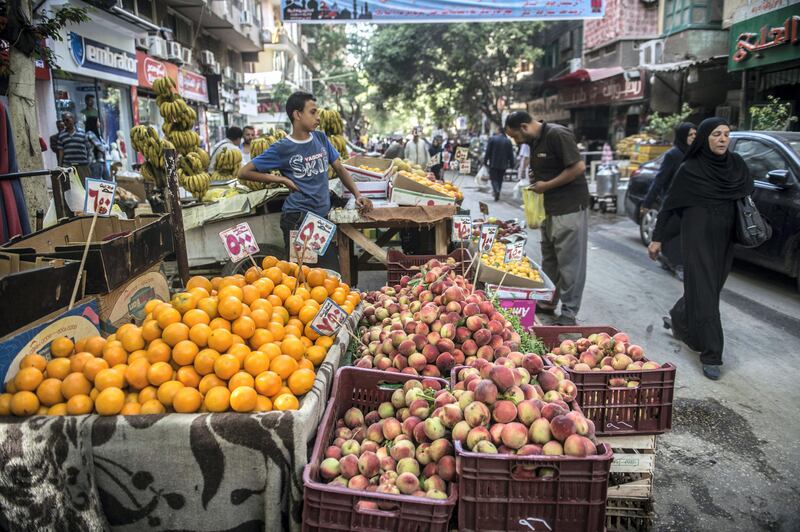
350,224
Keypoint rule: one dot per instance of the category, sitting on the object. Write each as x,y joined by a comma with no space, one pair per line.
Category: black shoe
497,196
711,372
667,322
546,308
565,321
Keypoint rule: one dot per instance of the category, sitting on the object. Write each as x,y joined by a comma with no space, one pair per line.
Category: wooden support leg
440,233
345,246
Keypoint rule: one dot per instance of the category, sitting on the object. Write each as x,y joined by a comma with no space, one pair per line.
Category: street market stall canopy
583,75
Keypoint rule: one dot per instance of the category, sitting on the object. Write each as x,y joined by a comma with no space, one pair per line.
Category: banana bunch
340,143
277,133
177,112
203,154
229,162
191,164
141,135
331,122
164,86
151,174
197,184
184,141
259,146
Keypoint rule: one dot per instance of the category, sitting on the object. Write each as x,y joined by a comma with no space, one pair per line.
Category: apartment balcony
222,20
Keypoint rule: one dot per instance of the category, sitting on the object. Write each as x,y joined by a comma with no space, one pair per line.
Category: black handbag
751,228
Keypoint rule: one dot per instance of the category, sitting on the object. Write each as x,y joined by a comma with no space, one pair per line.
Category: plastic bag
534,208
483,173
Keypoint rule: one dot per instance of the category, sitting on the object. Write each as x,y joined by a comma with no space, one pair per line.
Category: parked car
773,158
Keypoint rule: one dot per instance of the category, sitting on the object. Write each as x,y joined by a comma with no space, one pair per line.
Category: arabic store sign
765,40
602,92
319,12
190,85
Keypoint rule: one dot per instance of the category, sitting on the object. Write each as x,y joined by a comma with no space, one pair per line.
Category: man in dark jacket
499,158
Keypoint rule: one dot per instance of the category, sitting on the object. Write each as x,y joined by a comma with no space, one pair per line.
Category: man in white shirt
417,150
233,137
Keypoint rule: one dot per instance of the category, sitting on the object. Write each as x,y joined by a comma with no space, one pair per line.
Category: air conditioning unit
175,51
246,18
215,69
157,47
141,43
266,37
207,57
187,56
575,64
239,77
228,73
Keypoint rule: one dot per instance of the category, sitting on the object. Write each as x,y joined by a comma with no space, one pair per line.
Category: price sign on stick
515,251
99,197
436,159
462,154
297,250
329,318
488,232
239,242
315,233
462,227
484,208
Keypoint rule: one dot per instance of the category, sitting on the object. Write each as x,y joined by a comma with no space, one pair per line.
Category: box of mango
419,182
522,273
364,168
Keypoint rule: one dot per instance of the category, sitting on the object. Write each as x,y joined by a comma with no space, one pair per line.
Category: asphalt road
731,461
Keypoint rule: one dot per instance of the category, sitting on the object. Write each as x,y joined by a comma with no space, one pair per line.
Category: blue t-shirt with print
306,164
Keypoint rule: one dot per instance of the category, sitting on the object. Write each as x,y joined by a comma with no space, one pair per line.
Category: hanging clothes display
13,212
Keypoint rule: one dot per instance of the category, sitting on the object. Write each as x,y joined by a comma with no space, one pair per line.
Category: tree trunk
25,127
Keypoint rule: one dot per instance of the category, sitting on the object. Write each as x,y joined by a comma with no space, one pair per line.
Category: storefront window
115,108
216,127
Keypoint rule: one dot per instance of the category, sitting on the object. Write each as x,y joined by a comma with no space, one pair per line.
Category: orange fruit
229,308
61,347
110,402
274,274
354,298
198,281
132,397
220,323
226,366
80,344
150,330
286,401
93,367
131,409
319,294
243,399
5,404
268,262
59,409
183,302
268,383
277,330
244,327
209,306
241,378
153,406
315,277
310,333
151,305
175,333
324,341
260,337
94,345
195,316
148,393
159,373
184,352
316,354
34,361
330,284
199,293
292,346
116,355
293,304
94,393
187,401
301,381
338,297
136,374
252,274
199,334
75,384
286,267
260,318
109,378
305,363
220,340
245,310
167,390
274,300
249,294
264,286
283,365
80,404
280,314
294,330
263,404
271,349
158,351
217,399
256,363
141,353
240,351
131,339
231,291
289,282
204,361
282,291
210,381
262,304
28,379
168,316
58,368
188,376
49,392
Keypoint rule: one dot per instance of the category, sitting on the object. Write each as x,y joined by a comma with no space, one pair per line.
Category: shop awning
680,65
586,74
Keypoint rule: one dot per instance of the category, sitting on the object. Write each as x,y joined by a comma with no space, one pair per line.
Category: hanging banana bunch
331,122
145,140
257,147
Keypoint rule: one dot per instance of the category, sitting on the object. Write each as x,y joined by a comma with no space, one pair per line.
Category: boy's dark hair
233,133
297,102
517,118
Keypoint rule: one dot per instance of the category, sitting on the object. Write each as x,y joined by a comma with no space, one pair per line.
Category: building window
181,28
144,8
680,15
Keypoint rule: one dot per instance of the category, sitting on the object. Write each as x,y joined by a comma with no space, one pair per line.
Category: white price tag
462,154
294,256
515,251
462,227
488,232
239,241
315,233
436,159
99,197
465,167
329,319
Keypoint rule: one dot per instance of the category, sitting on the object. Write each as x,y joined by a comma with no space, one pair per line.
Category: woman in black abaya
703,195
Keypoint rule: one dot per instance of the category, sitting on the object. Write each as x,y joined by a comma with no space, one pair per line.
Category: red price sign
515,251
329,318
488,232
465,167
99,197
462,227
239,241
297,249
315,233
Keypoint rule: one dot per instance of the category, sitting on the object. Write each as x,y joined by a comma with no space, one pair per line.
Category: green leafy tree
662,126
772,116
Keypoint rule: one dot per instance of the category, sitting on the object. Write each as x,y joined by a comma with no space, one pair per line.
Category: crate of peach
526,456
383,458
242,343
619,388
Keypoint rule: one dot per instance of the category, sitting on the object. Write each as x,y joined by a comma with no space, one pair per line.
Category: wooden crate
629,515
633,466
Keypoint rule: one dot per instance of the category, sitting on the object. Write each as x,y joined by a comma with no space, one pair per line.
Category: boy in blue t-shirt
303,158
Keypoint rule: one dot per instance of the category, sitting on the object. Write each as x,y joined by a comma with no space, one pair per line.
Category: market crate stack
630,485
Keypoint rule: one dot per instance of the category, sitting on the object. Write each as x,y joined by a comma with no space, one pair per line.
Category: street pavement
730,462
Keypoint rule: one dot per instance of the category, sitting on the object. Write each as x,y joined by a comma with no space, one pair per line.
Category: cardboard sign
329,319
488,232
462,227
315,233
99,197
484,208
462,154
239,242
514,252
524,309
294,253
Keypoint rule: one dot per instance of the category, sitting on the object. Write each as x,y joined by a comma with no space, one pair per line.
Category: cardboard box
409,197
402,182
507,292
32,289
386,167
120,249
132,182
82,321
126,303
488,275
371,189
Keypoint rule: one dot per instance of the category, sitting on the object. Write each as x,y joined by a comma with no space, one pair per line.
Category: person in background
89,111
703,196
560,174
394,150
524,158
499,157
97,166
671,245
54,137
74,148
303,159
436,152
416,151
248,134
232,140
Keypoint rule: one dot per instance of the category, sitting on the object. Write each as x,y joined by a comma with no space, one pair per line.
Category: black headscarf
705,177
681,135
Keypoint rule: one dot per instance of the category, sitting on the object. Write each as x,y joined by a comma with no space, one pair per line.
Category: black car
773,158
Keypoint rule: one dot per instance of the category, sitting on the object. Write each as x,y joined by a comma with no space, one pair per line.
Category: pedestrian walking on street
671,245
394,150
74,148
416,151
499,157
436,153
703,196
558,172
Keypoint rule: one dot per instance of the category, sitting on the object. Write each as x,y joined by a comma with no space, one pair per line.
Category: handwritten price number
315,233
514,251
100,197
329,318
462,227
239,241
488,233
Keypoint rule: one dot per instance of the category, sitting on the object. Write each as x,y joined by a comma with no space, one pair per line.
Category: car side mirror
779,178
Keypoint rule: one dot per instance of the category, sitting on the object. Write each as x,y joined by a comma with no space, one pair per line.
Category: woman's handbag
751,229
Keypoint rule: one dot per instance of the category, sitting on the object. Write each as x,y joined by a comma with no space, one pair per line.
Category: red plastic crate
615,411
400,264
327,507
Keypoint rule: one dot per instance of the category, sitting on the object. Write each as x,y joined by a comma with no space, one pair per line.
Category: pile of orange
240,343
